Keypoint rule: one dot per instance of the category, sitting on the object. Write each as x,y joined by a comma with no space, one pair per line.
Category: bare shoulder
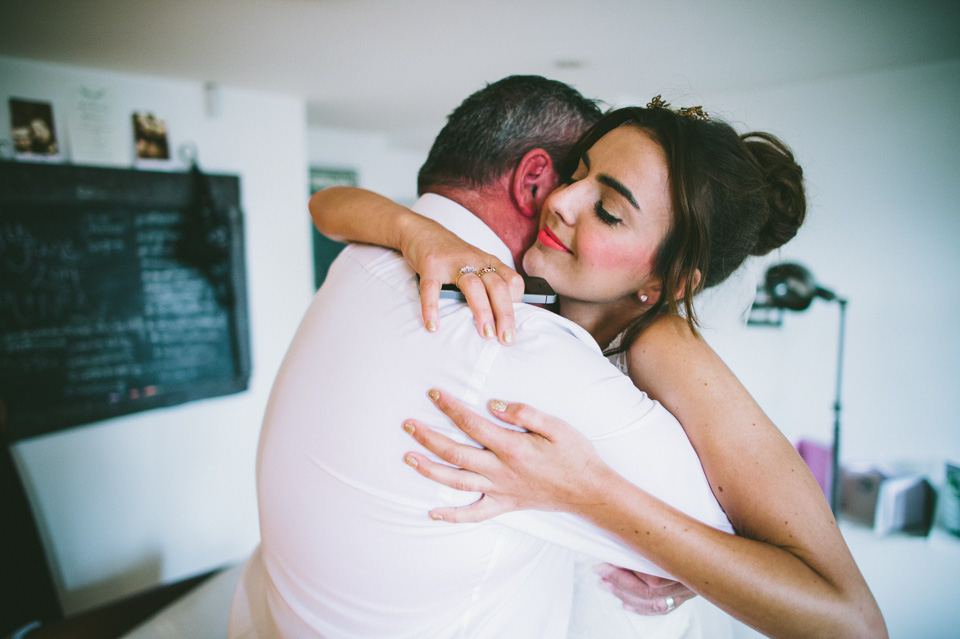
668,353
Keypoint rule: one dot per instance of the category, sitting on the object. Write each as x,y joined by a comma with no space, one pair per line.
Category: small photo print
150,136
32,128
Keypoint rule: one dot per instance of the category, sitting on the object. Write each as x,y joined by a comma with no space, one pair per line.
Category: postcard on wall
150,138
97,135
33,130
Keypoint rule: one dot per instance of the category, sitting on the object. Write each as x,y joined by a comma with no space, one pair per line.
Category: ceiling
399,66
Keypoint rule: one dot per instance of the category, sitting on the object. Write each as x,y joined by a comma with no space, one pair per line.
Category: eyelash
605,217
601,213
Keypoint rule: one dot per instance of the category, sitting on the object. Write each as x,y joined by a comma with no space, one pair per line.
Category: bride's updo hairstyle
732,196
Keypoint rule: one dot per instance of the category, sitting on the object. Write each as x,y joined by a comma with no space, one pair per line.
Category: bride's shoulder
666,332
668,341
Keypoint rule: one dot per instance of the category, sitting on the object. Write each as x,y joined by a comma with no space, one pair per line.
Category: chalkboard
120,291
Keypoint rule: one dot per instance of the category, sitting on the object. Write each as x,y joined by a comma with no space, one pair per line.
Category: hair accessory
485,270
692,113
463,271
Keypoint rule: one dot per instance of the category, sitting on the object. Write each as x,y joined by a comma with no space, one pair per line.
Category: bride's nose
567,202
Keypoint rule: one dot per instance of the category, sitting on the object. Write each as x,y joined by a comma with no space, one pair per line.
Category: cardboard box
886,501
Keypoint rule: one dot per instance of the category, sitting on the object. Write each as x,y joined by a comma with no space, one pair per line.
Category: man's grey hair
495,127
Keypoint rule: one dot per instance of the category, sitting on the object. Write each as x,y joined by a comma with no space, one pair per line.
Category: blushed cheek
609,257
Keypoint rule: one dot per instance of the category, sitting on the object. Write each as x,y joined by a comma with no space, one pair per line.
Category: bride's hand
643,594
437,255
551,466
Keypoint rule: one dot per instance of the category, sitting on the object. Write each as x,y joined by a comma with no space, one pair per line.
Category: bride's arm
788,572
351,214
799,568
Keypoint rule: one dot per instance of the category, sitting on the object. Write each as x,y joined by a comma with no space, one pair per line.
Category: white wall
133,501
380,167
882,162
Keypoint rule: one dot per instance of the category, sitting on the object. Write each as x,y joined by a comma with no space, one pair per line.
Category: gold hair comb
693,113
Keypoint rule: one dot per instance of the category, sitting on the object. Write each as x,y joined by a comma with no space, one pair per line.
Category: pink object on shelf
819,458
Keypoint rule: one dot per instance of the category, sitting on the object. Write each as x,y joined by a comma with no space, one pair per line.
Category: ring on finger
485,270
671,604
463,271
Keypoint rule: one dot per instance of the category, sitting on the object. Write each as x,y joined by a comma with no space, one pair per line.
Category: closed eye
605,216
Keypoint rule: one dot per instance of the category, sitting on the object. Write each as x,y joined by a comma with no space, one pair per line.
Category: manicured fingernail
498,406
431,326
434,394
436,516
407,426
410,459
488,331
508,337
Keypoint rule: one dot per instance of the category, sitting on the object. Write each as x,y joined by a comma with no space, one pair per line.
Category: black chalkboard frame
86,188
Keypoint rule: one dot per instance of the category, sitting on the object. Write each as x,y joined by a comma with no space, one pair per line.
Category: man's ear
533,180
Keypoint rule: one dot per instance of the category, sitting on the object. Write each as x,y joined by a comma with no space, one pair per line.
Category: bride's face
599,233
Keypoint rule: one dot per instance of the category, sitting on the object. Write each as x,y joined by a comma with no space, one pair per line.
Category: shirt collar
462,222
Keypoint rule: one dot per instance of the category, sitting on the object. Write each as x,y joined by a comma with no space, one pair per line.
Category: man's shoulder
366,261
559,368
535,321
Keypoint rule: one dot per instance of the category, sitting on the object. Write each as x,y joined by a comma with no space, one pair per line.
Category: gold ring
485,270
463,271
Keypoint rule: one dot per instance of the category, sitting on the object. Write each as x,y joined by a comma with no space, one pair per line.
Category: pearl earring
643,299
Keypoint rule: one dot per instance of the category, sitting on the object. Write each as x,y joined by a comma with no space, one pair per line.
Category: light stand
790,286
835,474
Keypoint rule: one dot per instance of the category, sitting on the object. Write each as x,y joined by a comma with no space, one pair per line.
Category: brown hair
732,195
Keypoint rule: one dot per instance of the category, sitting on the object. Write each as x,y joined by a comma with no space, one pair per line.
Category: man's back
347,548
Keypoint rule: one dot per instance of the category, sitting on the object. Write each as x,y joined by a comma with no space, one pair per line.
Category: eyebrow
618,186
613,183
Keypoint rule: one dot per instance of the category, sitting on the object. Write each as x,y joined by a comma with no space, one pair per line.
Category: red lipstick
548,239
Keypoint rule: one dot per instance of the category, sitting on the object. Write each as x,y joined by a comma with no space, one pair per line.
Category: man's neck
493,205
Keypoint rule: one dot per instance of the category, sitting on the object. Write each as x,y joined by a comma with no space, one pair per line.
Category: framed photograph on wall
33,130
150,138
326,250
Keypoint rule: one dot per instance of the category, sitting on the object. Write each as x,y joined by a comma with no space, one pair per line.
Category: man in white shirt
347,550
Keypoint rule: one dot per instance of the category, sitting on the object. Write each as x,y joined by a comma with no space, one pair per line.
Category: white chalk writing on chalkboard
101,307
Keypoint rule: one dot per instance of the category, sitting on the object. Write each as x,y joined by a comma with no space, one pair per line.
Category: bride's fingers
480,510
514,283
500,298
472,287
460,455
528,418
429,300
455,478
480,429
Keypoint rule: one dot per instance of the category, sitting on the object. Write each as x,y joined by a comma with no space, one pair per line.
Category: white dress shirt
347,549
